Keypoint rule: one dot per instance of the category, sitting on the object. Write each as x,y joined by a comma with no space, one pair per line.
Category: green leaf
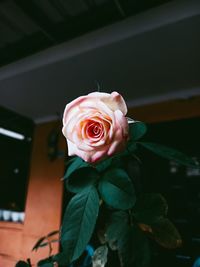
150,208
50,264
75,164
131,147
117,190
118,159
79,222
137,130
38,243
22,264
166,234
111,161
45,263
169,153
134,248
81,179
61,259
49,242
116,226
104,164
53,233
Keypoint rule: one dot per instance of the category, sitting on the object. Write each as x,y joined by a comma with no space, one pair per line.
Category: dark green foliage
46,240
104,164
111,162
79,222
117,190
134,248
22,264
46,263
81,179
53,233
137,130
150,208
61,259
73,165
38,243
150,212
49,264
116,225
128,221
169,153
166,234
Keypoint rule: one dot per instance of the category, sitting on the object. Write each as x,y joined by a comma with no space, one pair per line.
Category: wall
167,111
43,204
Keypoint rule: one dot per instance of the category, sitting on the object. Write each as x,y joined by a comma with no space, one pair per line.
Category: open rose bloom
95,125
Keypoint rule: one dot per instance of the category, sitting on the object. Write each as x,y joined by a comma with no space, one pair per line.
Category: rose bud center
94,129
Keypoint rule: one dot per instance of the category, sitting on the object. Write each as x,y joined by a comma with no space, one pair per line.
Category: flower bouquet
106,204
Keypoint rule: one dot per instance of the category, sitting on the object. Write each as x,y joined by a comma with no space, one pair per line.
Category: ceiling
147,57
31,26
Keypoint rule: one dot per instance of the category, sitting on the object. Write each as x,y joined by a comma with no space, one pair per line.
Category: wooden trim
167,111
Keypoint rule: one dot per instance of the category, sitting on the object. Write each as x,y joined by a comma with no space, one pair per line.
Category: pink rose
95,125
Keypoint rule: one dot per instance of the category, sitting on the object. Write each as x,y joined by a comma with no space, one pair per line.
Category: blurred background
52,51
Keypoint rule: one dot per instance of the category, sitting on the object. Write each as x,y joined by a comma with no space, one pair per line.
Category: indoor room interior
53,51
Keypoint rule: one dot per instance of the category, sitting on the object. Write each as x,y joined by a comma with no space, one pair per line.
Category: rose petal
71,107
116,146
97,106
98,95
114,100
80,143
122,122
97,156
119,102
71,148
75,122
